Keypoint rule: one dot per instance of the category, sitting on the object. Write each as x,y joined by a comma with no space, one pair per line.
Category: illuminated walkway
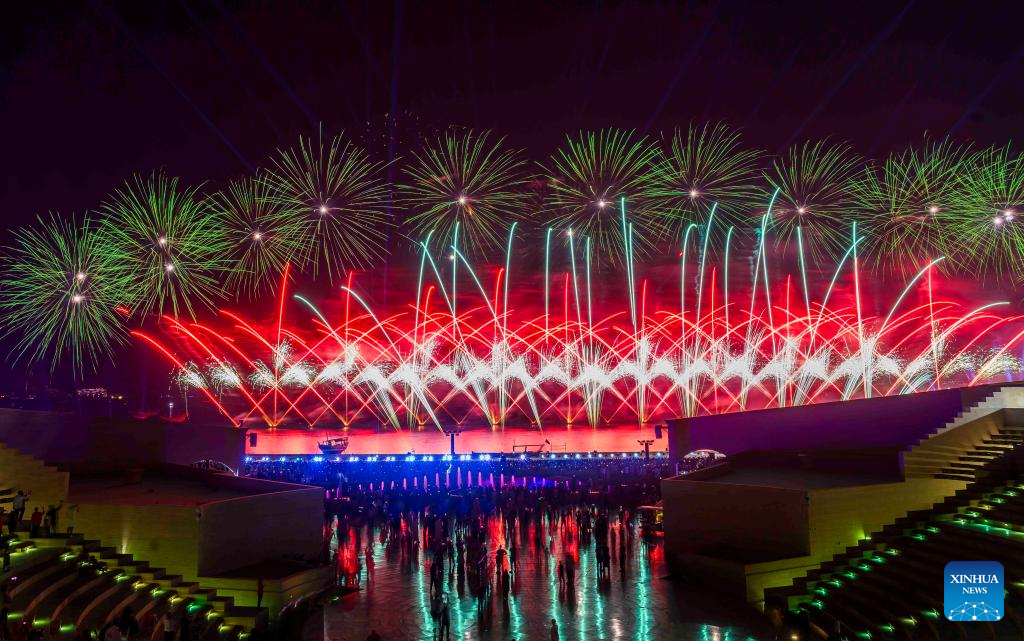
642,605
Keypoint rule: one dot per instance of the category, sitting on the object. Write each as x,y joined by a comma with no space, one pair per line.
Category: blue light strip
429,458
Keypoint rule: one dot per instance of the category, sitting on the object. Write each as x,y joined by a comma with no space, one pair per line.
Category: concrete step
963,466
950,476
977,458
94,612
993,449
43,575
1010,438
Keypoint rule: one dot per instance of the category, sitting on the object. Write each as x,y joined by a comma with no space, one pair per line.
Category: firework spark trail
591,172
329,201
73,289
170,246
490,364
464,179
61,294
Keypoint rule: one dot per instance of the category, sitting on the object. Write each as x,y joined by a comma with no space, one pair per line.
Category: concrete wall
276,592
228,535
717,530
840,517
749,521
166,536
893,420
71,440
244,531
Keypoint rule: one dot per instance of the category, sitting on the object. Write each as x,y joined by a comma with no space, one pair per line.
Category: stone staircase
890,585
979,434
967,464
48,484
65,583
1004,397
68,582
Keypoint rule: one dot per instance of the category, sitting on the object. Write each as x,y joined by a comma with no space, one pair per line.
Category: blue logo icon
974,591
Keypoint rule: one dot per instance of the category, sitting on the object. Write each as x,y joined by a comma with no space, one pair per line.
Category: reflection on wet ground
633,600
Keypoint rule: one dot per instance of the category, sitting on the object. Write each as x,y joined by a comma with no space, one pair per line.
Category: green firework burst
706,165
587,180
987,230
816,194
261,240
908,202
333,197
173,249
61,294
467,180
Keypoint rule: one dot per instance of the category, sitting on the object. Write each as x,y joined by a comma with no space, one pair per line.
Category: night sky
91,93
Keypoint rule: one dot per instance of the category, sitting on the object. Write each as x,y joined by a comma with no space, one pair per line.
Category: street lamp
451,433
646,443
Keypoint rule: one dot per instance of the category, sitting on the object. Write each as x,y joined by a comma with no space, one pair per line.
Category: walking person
554,630
170,625
51,516
369,563
36,522
499,561
259,591
446,619
18,509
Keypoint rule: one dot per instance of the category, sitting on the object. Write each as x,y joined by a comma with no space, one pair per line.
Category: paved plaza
635,600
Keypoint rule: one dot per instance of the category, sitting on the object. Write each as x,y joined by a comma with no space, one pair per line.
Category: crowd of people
467,523
41,520
473,541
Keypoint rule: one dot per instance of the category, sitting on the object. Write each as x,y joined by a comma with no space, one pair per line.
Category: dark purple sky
93,92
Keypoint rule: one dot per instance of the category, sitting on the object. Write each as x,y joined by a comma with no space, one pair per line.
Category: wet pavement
633,600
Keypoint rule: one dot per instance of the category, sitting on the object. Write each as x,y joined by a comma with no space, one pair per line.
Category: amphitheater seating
65,583
890,585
